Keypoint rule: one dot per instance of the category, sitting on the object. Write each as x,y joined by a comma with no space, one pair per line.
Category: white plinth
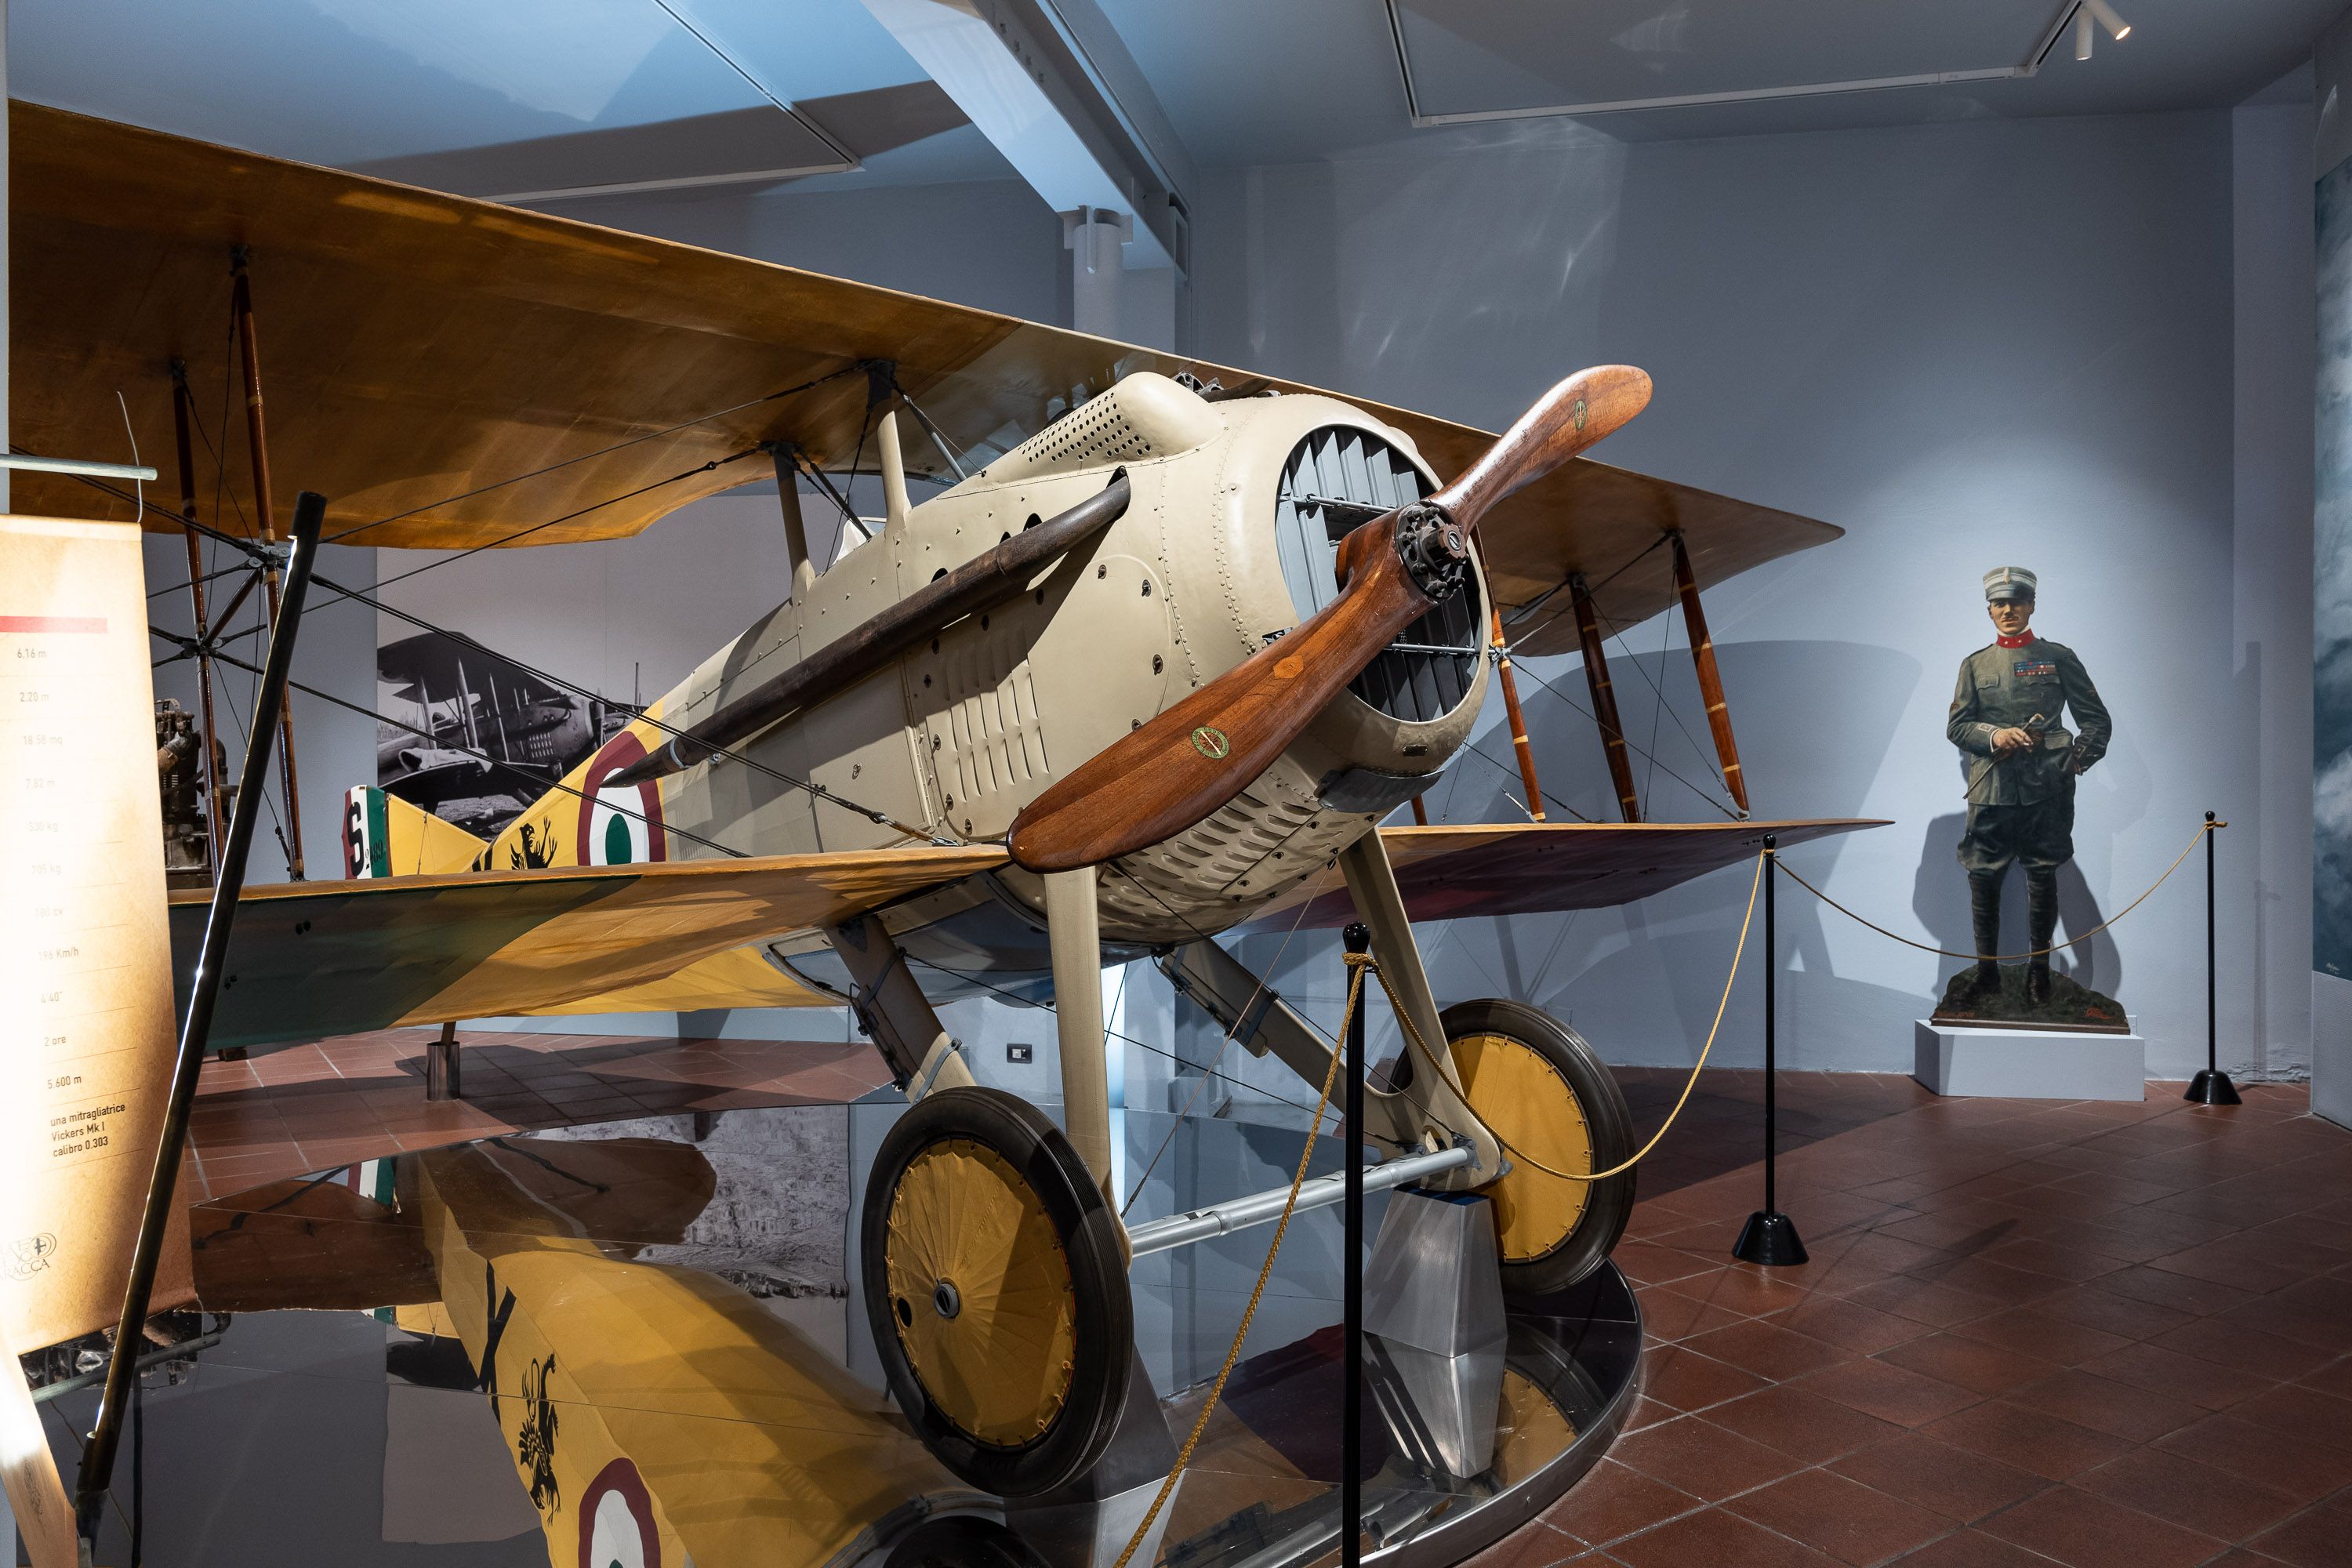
2029,1063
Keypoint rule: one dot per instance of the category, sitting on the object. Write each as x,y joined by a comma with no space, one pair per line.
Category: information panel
86,1017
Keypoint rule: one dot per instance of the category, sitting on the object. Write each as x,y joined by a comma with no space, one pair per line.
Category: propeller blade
1154,782
1564,421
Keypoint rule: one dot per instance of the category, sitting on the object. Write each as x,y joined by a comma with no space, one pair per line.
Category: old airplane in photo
1156,662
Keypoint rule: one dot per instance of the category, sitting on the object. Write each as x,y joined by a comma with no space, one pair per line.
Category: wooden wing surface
1449,872
313,959
417,346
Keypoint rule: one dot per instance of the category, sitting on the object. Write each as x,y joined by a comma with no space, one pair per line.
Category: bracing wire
445,742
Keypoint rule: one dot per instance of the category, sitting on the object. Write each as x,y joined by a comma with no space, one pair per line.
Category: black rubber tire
1610,1204
1105,1315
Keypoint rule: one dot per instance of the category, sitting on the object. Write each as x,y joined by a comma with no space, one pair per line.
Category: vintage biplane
1169,645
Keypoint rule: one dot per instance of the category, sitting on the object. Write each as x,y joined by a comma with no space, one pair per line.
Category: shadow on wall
1939,899
1816,721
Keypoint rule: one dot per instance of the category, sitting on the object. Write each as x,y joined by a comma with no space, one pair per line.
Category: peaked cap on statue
2008,583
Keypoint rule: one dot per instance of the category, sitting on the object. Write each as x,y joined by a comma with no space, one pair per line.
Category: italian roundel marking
617,1521
619,827
1212,742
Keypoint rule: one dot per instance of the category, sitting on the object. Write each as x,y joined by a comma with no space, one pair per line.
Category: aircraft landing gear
1543,1091
997,1291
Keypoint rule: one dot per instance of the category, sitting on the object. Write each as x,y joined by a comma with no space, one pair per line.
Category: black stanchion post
2213,1086
1770,1237
121,1371
1358,938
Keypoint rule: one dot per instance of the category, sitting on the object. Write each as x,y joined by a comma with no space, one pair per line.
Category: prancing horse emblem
1212,742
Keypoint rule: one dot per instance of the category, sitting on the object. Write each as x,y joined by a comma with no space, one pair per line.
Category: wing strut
1710,680
264,521
1604,700
1510,684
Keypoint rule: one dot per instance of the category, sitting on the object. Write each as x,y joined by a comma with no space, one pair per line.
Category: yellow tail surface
384,835
581,822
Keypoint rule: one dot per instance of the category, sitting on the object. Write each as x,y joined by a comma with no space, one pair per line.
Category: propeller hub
1434,548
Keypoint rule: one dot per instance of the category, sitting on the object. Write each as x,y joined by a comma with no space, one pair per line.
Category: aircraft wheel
997,1291
1541,1088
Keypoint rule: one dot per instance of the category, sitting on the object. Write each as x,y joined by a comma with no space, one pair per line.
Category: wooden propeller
1159,780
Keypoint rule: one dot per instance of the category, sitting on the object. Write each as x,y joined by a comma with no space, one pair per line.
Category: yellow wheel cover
981,1291
1524,1098
1530,1432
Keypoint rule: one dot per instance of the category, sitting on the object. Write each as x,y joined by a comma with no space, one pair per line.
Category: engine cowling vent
1338,478
1146,416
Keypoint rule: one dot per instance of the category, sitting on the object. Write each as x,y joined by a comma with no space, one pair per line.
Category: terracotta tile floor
2029,1333
316,1107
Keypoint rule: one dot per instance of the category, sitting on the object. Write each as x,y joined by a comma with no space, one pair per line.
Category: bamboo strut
1511,685
248,350
1604,700
1710,680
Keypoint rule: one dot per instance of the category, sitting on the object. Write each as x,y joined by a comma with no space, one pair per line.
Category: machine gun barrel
981,583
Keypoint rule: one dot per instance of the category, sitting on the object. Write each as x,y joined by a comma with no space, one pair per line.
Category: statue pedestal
2029,1063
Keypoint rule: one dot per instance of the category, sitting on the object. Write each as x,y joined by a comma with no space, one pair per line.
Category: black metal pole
121,1371
2213,1086
1770,1237
1358,938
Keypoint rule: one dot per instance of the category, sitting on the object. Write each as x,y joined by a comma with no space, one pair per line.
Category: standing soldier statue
2022,771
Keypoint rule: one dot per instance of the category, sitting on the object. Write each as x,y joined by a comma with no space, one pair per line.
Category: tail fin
384,836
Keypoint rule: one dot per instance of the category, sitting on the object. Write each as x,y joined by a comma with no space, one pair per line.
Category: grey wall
1970,345
2068,344
2275,316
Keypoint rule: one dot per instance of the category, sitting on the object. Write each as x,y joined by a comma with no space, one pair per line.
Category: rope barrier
1357,964
2202,829
1445,1071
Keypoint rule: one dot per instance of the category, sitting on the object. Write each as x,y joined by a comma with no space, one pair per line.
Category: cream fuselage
959,735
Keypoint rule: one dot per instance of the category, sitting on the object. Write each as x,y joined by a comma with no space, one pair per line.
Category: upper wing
313,959
1533,867
415,346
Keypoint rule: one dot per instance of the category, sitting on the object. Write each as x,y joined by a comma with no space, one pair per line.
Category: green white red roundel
619,827
617,1521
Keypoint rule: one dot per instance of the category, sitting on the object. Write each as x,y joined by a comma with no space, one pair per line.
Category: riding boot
2042,927
1984,905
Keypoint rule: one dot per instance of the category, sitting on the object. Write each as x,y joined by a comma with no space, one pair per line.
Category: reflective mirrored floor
641,1344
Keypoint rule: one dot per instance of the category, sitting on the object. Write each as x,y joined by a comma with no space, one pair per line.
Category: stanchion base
2212,1086
1770,1240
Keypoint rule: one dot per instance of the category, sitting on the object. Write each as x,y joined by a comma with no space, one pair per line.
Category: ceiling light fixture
2084,13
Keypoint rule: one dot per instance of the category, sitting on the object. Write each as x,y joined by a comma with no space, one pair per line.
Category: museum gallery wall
2331,957
2061,345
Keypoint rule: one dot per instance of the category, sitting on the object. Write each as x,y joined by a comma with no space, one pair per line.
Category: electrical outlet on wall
1018,1053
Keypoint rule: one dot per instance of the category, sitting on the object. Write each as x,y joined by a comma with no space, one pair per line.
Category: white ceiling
1254,81
385,83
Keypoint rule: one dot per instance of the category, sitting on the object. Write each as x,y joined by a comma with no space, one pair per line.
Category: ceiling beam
1050,84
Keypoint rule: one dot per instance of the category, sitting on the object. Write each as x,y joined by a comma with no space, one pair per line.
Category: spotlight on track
2104,14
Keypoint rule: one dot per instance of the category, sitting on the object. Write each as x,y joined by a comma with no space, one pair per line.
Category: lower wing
1535,868
310,960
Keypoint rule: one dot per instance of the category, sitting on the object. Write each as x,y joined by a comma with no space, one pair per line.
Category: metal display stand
1770,1237
1358,939
2212,1086
122,1372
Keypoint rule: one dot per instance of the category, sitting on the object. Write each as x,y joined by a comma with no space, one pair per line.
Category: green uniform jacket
2004,688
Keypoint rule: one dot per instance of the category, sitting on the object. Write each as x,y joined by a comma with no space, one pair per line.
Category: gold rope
1357,963
2202,830
1445,1070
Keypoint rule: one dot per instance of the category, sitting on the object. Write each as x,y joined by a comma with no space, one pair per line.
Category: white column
1095,238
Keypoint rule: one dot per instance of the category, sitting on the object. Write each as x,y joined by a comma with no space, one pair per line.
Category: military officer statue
2022,770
